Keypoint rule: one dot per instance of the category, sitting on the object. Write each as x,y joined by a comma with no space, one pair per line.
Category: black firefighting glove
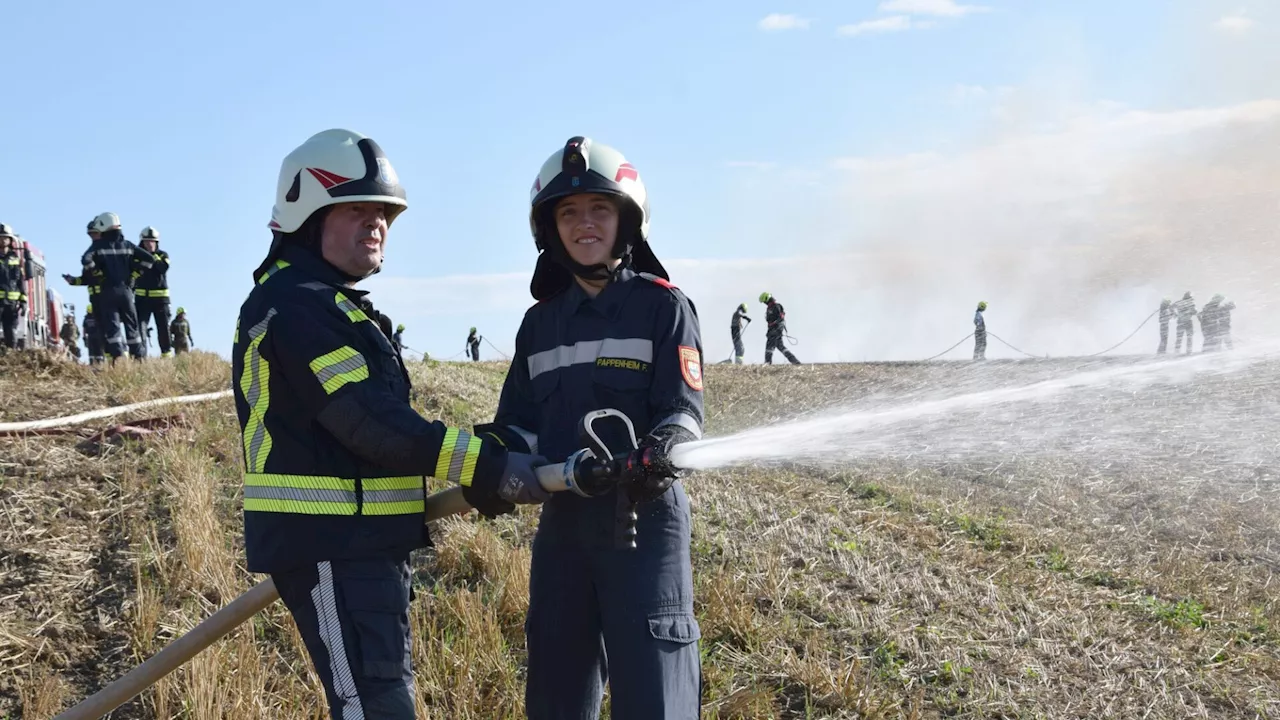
494,494
649,470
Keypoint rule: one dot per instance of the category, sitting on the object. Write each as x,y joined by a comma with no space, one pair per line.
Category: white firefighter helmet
585,166
6,231
149,233
334,166
106,221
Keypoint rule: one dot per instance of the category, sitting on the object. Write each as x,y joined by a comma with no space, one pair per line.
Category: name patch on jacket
623,363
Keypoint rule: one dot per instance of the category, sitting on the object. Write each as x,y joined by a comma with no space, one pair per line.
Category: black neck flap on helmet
555,269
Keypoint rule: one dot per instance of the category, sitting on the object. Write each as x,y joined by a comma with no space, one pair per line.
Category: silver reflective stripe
458,458
383,496
529,438
344,685
254,364
684,420
263,492
588,351
326,374
315,286
113,251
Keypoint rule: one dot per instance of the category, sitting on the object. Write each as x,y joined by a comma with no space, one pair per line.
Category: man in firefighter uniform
92,281
335,458
736,327
180,333
775,322
121,263
473,345
12,285
151,292
609,331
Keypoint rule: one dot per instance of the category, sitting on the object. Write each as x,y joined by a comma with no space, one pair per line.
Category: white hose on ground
18,427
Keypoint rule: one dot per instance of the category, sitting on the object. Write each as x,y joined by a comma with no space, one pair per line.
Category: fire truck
38,326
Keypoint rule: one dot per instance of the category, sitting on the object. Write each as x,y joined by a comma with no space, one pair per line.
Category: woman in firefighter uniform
609,331
335,457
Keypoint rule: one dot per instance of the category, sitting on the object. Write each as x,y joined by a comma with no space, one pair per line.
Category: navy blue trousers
353,616
601,614
114,308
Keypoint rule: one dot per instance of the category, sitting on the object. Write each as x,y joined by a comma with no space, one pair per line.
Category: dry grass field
1110,554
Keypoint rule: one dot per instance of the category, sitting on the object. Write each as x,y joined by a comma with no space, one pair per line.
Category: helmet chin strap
596,271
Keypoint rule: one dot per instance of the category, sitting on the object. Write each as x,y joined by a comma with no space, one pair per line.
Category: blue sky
745,119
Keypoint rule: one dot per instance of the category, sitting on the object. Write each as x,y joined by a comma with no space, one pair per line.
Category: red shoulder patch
658,281
691,367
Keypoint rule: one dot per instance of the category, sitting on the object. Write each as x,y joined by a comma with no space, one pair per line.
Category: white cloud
944,8
778,21
1238,23
893,23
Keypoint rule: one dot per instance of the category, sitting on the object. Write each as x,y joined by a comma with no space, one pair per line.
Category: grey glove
519,481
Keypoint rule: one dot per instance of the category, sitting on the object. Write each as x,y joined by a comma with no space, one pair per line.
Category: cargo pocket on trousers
379,614
680,628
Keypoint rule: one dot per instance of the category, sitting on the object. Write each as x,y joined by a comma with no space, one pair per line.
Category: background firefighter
1185,309
980,332
180,333
92,281
736,328
473,345
1224,324
12,293
120,263
775,320
151,291
1166,314
70,335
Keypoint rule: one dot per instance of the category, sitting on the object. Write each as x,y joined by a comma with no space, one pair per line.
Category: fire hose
17,428
589,472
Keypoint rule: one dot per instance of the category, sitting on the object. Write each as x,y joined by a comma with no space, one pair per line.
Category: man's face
353,237
150,245
93,235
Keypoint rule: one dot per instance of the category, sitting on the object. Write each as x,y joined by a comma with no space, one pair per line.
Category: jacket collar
610,300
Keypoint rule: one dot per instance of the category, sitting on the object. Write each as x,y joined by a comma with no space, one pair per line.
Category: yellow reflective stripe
279,265
353,311
340,367
324,495
458,455
255,383
311,482
304,507
408,507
